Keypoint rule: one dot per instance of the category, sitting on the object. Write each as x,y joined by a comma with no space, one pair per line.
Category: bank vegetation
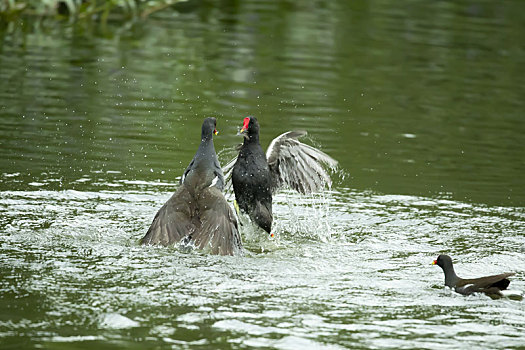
82,9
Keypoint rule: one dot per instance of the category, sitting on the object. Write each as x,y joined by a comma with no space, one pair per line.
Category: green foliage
96,9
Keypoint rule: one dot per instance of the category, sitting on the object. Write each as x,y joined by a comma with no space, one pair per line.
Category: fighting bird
197,214
256,176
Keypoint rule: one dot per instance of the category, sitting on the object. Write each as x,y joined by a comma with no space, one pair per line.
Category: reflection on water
421,103
423,99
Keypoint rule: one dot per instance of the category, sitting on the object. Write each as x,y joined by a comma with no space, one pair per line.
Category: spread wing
297,165
173,220
218,231
206,222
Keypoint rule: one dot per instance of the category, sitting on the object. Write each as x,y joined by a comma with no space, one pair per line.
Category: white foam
117,321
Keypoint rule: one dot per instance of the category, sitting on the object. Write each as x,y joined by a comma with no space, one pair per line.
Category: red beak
246,121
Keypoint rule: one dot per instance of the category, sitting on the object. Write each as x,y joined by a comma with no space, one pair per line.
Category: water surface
421,103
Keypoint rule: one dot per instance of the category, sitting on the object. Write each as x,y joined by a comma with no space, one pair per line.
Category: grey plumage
297,165
197,214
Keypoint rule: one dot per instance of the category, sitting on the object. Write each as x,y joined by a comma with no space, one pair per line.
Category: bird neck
206,147
252,139
206,137
450,277
203,168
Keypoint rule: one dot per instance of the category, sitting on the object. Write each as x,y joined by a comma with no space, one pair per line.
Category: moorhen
287,163
197,214
490,285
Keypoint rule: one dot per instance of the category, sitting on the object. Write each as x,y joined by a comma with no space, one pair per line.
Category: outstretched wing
218,232
297,165
173,220
207,223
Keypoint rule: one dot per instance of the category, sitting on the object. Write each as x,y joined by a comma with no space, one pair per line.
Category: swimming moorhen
490,285
197,214
287,163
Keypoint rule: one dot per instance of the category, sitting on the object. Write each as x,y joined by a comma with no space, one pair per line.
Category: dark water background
422,103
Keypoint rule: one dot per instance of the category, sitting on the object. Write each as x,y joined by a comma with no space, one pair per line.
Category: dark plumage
490,285
197,214
287,163
252,180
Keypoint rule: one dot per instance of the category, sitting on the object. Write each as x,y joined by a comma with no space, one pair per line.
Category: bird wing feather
218,232
297,165
473,285
206,222
173,220
228,171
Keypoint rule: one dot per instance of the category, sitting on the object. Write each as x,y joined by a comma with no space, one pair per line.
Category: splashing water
345,267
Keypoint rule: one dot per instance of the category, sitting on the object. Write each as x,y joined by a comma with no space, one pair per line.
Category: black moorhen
490,285
197,214
287,162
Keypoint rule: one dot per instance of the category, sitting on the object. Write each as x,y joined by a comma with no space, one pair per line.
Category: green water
422,104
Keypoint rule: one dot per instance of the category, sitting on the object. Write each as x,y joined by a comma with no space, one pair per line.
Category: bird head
443,261
250,128
209,128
